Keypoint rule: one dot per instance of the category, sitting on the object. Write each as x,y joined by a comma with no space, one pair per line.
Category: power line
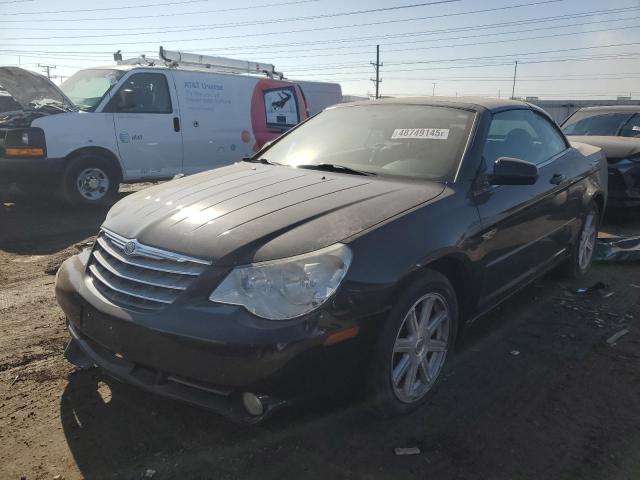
458,44
378,37
125,7
433,32
420,62
343,40
260,22
508,79
67,55
467,66
187,28
183,2
335,27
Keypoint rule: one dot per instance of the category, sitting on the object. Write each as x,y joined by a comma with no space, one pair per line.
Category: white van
144,120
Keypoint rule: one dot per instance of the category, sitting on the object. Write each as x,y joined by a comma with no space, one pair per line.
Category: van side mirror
126,100
513,171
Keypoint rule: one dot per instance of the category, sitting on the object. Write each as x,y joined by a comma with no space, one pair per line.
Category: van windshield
412,141
87,88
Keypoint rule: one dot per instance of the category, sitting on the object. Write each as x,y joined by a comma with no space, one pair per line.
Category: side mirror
126,99
513,171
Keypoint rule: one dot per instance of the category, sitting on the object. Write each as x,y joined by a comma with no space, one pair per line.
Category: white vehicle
144,120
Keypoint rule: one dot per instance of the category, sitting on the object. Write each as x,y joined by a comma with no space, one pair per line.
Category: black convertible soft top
468,103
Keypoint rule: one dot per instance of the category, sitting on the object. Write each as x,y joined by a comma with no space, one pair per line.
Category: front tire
90,180
414,346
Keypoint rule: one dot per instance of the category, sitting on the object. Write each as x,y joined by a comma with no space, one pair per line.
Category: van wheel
414,346
90,180
582,252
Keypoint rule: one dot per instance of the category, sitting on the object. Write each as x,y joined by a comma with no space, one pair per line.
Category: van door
216,126
147,123
228,117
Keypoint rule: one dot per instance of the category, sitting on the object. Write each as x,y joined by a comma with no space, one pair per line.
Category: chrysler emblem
130,248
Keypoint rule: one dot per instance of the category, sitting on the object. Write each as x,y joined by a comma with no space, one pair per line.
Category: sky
566,49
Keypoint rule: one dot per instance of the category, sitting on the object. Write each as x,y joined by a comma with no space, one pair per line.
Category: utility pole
433,92
377,66
48,69
513,89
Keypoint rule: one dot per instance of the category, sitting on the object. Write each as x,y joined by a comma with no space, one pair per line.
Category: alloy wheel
587,241
420,348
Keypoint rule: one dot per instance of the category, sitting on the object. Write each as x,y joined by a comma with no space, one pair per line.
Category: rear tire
90,180
583,250
412,350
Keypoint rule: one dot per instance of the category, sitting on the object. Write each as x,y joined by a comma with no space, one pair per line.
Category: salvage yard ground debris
566,408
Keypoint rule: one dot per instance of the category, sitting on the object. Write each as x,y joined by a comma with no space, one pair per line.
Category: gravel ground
565,407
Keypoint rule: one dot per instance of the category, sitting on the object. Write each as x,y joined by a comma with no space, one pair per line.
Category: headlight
287,288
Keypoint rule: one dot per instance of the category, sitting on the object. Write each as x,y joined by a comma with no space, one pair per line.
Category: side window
522,134
142,93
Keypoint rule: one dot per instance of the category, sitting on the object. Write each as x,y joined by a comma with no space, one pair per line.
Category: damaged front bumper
84,353
207,354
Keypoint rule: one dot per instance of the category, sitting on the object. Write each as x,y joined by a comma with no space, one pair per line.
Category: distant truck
145,119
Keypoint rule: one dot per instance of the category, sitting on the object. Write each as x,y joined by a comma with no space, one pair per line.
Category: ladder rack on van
220,64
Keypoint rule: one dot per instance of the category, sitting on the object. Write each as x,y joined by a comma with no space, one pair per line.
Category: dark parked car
354,249
616,130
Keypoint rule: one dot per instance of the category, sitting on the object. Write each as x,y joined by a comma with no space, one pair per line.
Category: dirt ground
565,407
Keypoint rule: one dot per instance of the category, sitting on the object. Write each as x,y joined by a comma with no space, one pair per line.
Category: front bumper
208,354
17,169
624,184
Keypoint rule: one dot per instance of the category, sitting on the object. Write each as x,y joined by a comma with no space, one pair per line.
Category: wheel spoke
412,322
424,368
436,322
400,369
425,313
410,379
437,345
403,345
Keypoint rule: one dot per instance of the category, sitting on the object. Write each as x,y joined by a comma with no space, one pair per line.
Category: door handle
557,178
176,124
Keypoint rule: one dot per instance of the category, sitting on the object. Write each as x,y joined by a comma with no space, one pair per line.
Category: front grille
137,276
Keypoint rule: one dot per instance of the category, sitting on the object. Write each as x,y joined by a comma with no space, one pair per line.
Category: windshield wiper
264,161
334,167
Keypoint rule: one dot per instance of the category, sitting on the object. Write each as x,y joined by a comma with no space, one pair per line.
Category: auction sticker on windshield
429,133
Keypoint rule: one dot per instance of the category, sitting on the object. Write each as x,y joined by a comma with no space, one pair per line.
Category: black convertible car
354,249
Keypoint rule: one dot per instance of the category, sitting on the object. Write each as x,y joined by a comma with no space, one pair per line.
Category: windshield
86,88
412,141
623,124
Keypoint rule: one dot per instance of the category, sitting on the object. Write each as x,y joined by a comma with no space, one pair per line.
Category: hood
33,91
249,213
614,148
20,118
